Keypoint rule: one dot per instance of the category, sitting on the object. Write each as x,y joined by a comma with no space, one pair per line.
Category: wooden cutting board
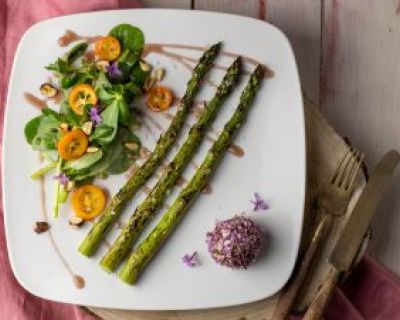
324,149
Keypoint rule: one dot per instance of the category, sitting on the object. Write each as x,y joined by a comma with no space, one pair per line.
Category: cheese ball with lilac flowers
235,243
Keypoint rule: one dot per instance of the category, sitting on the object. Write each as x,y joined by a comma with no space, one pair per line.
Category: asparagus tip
217,46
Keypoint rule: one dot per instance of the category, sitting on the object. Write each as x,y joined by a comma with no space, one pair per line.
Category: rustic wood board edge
324,149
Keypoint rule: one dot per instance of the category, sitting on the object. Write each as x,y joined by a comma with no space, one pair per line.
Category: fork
333,201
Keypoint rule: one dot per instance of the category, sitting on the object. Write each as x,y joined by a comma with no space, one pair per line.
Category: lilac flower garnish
191,260
94,115
259,203
113,70
62,179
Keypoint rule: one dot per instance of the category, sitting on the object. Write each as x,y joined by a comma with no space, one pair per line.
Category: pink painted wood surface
360,75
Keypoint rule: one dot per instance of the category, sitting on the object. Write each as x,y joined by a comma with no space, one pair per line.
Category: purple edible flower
113,70
259,203
62,179
94,115
191,260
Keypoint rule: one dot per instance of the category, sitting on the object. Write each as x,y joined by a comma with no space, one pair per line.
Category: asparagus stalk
164,144
147,249
146,210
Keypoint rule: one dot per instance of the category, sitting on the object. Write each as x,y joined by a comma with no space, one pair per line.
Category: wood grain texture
181,4
360,76
248,8
300,20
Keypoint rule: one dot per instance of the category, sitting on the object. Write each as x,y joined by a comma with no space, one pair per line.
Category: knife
347,246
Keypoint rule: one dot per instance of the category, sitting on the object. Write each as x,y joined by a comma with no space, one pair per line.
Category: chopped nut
70,185
63,127
159,74
102,175
144,153
87,127
149,83
144,66
133,146
48,91
75,221
41,226
102,65
92,149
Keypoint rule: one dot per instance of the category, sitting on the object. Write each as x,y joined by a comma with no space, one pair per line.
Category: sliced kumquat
88,201
73,145
159,99
80,96
107,48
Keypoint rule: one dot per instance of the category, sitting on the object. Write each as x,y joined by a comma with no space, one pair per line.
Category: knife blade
347,246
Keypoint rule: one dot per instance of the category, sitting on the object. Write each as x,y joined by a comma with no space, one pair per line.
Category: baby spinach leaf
131,37
106,131
84,162
138,76
31,128
46,135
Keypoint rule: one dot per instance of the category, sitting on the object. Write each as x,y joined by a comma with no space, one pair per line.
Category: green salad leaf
84,162
112,119
42,132
76,52
131,38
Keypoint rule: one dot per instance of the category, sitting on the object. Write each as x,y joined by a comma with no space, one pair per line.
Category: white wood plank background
348,53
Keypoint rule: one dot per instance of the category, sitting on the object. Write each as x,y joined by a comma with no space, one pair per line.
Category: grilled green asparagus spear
164,144
147,249
146,210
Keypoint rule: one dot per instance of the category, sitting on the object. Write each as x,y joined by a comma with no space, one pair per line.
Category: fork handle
291,291
316,309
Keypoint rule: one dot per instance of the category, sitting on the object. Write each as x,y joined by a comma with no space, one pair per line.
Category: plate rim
303,152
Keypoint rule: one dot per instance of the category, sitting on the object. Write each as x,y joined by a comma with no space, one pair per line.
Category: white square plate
273,139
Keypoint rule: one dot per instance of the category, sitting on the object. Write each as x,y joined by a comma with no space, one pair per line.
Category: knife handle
316,309
291,291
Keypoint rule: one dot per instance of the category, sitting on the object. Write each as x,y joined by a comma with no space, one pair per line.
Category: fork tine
343,169
339,167
355,171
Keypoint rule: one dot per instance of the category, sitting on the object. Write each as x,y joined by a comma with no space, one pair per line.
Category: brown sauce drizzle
70,37
146,189
35,101
211,83
78,280
208,189
160,48
236,150
42,103
89,56
181,182
168,116
144,152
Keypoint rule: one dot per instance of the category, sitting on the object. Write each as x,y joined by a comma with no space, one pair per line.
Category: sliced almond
149,83
92,149
48,91
75,221
87,127
133,146
102,65
63,127
70,185
159,74
144,66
